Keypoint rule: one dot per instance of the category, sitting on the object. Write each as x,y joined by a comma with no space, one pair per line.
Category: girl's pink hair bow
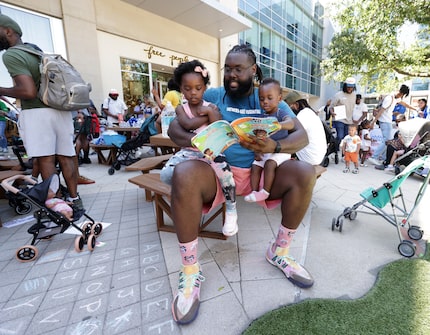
204,72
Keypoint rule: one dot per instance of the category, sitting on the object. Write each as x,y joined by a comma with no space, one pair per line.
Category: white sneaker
5,150
374,161
389,168
230,226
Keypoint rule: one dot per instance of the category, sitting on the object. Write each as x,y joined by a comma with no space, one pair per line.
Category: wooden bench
161,195
319,170
102,159
149,163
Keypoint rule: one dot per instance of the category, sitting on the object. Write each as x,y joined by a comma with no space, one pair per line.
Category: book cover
219,135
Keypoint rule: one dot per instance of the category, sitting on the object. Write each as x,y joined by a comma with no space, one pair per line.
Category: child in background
366,141
399,149
351,148
270,95
194,115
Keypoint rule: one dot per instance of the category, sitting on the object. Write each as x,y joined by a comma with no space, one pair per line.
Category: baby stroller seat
126,152
48,222
416,137
331,146
377,199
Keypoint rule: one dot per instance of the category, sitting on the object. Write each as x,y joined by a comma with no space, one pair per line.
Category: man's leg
296,193
69,170
46,166
193,184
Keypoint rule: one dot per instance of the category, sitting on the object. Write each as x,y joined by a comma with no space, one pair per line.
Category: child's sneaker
389,168
345,170
355,171
255,196
294,272
230,226
185,306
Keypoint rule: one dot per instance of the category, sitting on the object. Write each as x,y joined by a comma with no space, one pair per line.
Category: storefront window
135,80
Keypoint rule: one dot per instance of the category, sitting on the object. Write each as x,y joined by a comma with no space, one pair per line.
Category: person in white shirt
315,151
360,110
114,108
385,115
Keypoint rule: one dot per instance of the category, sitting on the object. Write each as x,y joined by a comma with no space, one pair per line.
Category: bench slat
149,163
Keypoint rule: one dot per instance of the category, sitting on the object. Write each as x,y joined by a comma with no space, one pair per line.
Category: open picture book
219,135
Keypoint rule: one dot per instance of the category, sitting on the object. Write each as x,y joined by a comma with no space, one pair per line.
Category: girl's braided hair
245,49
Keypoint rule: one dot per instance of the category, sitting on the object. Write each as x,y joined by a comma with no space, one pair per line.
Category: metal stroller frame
127,150
377,199
49,223
331,146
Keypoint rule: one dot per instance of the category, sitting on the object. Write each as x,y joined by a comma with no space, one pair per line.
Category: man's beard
242,90
4,43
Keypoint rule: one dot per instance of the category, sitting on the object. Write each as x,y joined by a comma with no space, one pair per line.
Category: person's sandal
85,181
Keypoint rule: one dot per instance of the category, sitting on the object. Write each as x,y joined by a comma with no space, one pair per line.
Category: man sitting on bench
196,188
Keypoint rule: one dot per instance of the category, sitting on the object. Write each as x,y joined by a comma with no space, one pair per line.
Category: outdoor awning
207,16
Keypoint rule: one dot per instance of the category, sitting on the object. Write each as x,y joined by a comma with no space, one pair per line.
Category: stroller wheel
96,229
340,224
347,212
86,228
406,248
111,171
79,243
117,166
91,243
352,215
333,224
415,233
336,159
27,253
23,208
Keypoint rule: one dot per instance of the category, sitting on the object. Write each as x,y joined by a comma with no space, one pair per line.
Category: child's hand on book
259,145
287,123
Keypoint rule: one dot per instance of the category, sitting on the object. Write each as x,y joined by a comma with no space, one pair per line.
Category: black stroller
127,150
49,222
331,146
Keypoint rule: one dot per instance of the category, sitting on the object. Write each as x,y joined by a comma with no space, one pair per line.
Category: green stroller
388,193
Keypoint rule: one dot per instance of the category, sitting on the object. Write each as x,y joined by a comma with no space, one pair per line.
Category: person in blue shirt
398,110
195,188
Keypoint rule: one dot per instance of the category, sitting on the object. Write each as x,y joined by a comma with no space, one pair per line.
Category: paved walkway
125,285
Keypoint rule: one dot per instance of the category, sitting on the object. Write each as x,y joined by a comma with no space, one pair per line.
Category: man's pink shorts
242,178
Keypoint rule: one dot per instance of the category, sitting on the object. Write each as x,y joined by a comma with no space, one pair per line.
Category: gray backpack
61,85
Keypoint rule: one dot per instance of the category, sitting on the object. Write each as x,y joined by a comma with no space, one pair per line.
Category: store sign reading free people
151,51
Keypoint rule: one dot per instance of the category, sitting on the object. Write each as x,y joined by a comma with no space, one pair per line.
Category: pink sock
285,235
188,252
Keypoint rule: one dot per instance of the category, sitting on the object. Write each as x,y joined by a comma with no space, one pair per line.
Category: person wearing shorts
47,133
195,187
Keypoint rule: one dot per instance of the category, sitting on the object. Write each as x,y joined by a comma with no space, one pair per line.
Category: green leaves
369,42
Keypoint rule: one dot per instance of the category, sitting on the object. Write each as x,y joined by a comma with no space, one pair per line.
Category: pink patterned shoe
185,306
294,272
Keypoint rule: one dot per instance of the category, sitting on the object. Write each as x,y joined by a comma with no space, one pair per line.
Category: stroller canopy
413,129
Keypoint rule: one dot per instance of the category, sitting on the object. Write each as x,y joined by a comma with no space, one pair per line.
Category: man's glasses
237,69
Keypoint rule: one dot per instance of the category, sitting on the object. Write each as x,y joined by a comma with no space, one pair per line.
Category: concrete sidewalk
125,285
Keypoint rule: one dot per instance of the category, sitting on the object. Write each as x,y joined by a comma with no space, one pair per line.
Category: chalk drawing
120,321
69,264
102,257
64,293
127,251
122,278
151,259
16,329
124,293
162,304
98,270
159,327
149,247
128,262
150,269
34,284
87,327
71,277
92,306
24,304
93,287
154,287
50,318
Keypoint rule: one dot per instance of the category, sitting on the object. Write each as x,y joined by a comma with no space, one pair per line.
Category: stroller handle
7,183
